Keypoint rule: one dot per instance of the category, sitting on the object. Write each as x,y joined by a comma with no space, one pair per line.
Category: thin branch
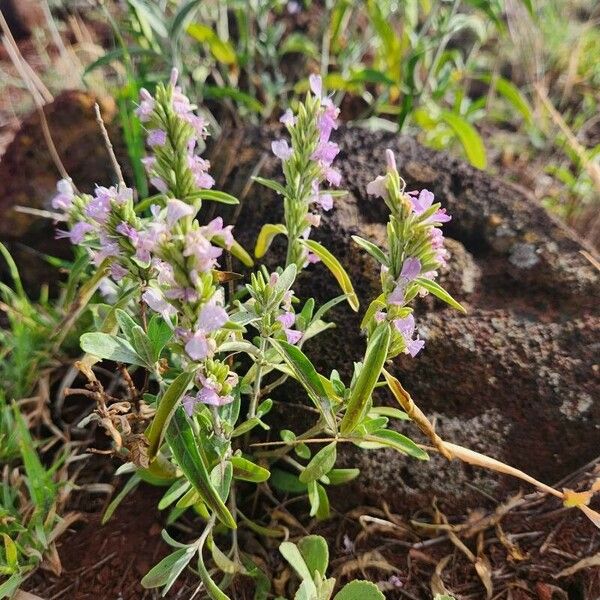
109,146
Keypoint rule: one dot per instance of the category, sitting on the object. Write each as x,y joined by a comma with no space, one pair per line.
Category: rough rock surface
29,176
517,378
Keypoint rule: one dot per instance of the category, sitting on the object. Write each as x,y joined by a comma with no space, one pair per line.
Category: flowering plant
211,356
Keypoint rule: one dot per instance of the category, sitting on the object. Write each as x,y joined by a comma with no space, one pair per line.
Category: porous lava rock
516,378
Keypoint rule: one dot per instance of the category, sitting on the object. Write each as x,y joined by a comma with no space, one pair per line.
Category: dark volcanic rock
28,175
517,378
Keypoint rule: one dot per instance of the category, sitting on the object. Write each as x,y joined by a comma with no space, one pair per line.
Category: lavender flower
287,320
211,318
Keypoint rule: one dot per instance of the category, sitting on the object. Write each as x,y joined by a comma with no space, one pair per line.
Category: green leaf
469,138
395,440
129,486
220,477
291,553
10,552
298,43
110,347
143,346
273,185
248,471
285,481
166,407
181,18
359,590
304,371
332,263
216,196
323,510
181,440
126,324
322,462
315,552
364,384
222,50
266,236
372,249
439,292
341,476
511,94
177,489
160,334
389,411
169,568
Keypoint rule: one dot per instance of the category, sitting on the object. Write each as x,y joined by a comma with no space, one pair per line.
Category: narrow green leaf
372,249
169,568
332,263
129,486
271,184
166,407
225,91
266,236
395,440
287,482
323,512
322,462
439,292
511,94
248,471
217,196
304,371
341,476
469,138
10,551
181,440
360,394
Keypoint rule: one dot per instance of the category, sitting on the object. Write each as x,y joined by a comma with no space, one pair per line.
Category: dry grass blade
437,583
584,563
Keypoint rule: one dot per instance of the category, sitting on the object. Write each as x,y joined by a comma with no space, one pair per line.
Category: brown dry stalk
448,450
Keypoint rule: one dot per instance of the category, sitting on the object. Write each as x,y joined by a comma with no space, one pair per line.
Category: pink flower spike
415,346
293,336
281,149
316,85
312,259
313,219
390,159
411,268
117,272
333,176
197,346
287,319
154,299
159,184
157,137
287,118
211,318
377,187
176,209
423,202
325,201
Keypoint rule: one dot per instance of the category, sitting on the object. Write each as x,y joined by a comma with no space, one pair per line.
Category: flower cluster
175,133
167,252
416,252
271,303
307,164
215,384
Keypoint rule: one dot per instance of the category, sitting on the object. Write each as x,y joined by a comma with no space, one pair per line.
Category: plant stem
257,381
